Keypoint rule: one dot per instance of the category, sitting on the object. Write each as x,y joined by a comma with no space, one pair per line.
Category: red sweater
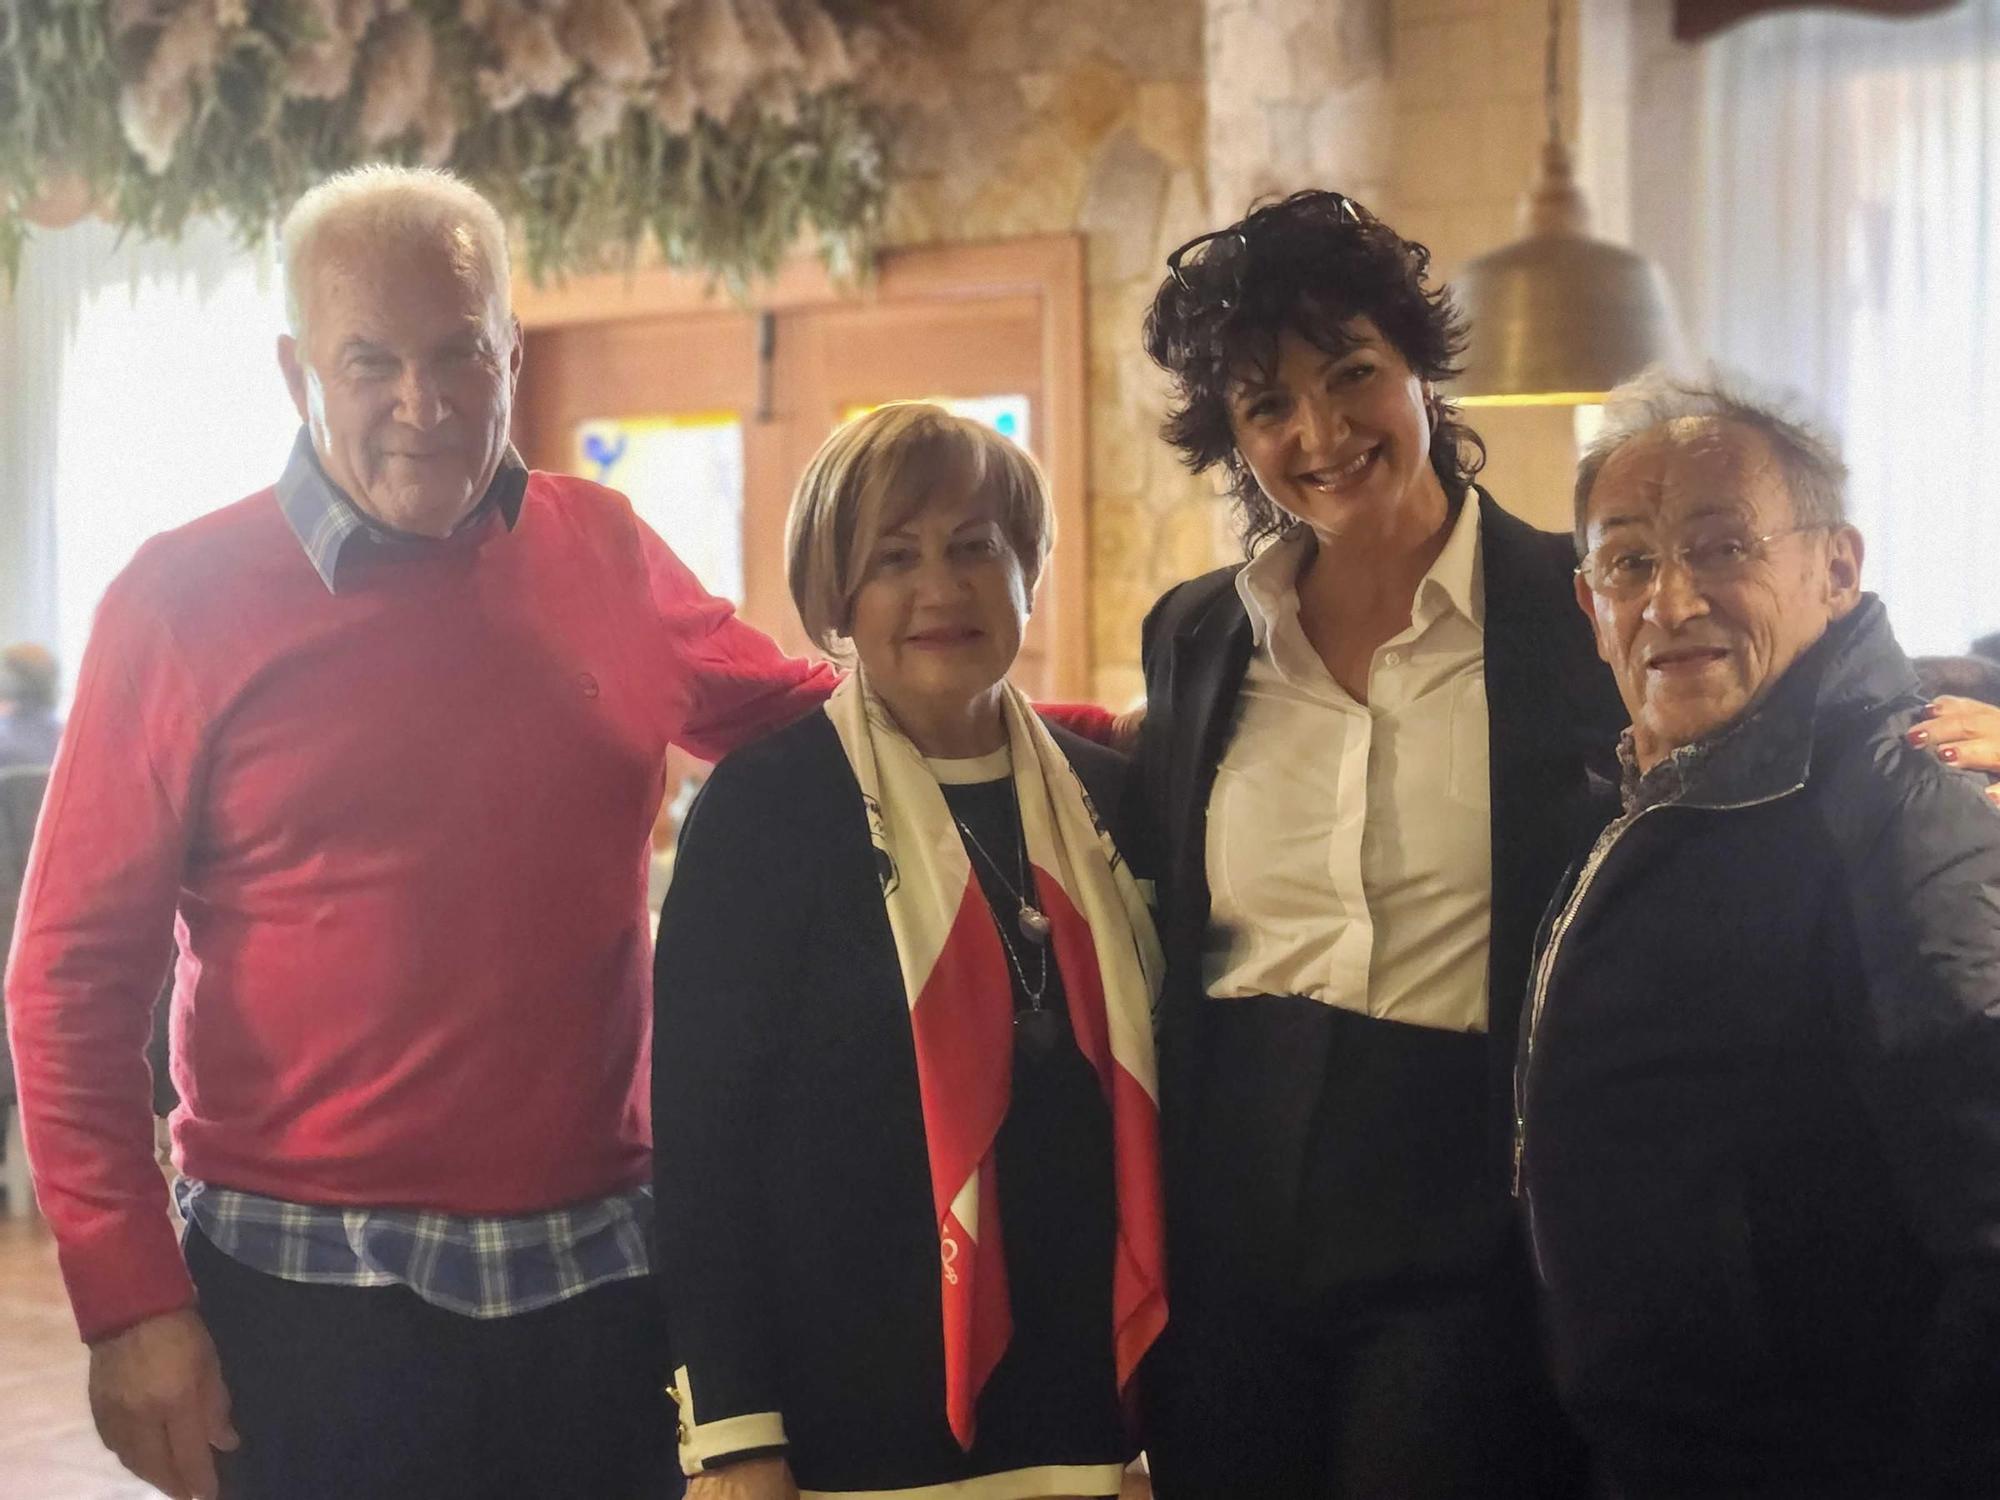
404,826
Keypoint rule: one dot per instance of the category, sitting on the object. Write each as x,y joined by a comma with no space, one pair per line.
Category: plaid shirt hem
477,1267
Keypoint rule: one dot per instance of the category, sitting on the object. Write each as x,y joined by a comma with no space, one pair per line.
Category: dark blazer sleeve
1100,769
1921,851
732,929
1137,824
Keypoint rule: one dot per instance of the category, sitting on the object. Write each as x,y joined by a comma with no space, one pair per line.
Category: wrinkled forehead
1688,469
401,285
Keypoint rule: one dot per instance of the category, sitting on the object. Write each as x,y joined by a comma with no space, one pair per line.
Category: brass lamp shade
1559,318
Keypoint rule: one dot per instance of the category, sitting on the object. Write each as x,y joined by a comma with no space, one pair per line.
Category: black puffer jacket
1760,1082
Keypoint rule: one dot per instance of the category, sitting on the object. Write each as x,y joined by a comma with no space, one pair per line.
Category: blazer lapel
1210,656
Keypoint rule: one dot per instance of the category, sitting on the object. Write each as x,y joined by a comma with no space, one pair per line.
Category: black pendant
1038,1031
1034,926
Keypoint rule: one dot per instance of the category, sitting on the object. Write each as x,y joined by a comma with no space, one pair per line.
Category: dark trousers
1387,1393
370,1393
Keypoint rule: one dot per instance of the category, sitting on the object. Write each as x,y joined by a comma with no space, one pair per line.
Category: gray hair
1814,474
400,205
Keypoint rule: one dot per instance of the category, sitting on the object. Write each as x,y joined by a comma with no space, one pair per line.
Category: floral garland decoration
722,130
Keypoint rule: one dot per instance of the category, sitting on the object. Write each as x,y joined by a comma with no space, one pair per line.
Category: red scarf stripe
1138,1281
964,1025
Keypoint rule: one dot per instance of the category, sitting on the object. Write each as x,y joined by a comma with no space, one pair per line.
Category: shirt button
1392,658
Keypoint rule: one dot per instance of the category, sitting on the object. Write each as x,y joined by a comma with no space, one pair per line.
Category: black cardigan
798,1256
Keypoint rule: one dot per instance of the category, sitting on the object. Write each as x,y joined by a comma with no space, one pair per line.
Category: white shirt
1350,844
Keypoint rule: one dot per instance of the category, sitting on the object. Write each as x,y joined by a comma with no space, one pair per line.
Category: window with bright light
1846,188
167,400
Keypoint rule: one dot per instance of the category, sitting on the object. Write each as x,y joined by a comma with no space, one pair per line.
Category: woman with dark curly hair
1364,766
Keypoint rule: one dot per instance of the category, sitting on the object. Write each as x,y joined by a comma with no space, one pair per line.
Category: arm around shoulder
740,686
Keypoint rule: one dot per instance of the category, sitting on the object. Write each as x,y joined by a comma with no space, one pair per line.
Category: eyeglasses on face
1231,242
1624,570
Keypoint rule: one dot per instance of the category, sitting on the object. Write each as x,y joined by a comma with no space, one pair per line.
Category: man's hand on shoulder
157,1395
753,1479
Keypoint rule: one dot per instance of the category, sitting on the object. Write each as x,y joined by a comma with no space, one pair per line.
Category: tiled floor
48,1449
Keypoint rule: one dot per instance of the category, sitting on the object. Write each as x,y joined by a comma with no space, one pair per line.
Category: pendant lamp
1558,318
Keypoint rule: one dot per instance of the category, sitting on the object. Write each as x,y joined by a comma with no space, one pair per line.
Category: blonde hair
396,205
881,469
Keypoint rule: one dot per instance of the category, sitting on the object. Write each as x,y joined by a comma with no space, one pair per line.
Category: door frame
1050,267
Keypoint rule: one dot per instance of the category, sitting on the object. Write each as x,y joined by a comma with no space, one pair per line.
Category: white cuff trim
1012,1484
702,1443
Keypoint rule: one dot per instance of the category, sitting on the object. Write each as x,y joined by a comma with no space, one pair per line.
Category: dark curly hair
1311,263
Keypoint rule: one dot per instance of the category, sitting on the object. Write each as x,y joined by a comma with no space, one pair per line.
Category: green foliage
731,200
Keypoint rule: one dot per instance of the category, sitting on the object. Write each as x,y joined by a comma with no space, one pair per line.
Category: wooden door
769,382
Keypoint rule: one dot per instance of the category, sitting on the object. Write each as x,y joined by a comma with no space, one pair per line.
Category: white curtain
145,392
1848,202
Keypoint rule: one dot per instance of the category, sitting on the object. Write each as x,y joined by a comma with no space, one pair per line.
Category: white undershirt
1349,844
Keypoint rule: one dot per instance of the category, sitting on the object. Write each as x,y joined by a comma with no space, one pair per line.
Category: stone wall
1299,95
1066,116
1429,111
1144,122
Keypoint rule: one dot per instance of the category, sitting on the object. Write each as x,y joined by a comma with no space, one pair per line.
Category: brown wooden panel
656,366
968,320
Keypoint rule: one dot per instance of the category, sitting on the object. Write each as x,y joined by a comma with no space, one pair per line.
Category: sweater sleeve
97,904
1924,900
731,929
740,686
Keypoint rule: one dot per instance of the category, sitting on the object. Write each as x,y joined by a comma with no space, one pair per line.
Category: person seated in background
1759,1076
29,728
906,1170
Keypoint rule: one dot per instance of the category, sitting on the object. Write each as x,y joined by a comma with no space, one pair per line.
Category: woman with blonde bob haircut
907,1161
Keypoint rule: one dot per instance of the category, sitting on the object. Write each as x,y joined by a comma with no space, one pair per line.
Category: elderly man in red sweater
383,743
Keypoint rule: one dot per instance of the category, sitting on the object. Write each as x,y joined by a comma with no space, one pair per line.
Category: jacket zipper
1545,971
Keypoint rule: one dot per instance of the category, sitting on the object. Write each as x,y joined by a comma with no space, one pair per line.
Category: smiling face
937,622
1691,656
1340,442
405,377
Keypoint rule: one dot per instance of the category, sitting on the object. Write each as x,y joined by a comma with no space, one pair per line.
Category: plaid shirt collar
325,521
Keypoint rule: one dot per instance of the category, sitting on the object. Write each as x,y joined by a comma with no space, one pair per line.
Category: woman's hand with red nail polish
1966,728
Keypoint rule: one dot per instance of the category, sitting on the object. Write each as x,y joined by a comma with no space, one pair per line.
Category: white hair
420,205
1809,459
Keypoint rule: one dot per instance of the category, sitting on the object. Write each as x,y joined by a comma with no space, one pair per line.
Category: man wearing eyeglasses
1758,1089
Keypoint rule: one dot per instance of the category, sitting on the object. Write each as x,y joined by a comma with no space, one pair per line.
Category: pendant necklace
1038,1029
1032,921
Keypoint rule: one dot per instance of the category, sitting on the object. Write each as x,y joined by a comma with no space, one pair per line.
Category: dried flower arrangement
723,130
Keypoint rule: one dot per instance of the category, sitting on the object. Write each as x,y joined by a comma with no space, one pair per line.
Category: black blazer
1554,722
798,1256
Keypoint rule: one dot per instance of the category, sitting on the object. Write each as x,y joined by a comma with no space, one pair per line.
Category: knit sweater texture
404,827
